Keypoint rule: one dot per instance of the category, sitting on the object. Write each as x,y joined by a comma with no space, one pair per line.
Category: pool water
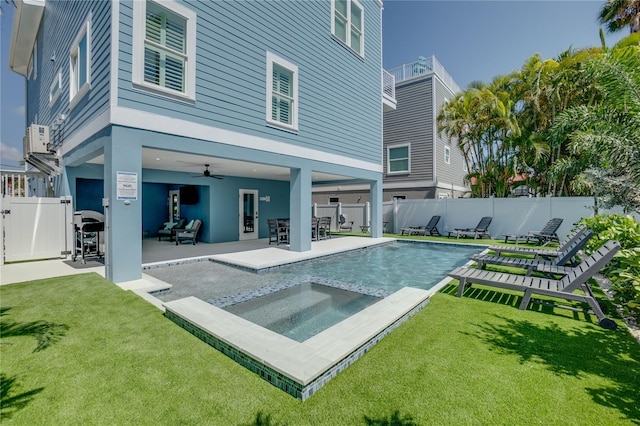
388,267
302,311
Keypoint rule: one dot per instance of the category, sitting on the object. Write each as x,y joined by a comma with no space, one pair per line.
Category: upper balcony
424,66
388,91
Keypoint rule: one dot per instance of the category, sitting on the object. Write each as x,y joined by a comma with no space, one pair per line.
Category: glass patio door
248,209
174,206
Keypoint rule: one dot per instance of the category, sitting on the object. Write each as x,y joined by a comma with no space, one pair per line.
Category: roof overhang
26,21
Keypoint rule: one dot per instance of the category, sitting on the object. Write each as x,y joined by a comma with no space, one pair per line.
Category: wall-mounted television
189,195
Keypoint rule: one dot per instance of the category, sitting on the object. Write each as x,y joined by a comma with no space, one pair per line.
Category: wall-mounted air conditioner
36,140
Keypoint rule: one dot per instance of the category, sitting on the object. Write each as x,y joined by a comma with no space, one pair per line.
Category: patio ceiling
193,163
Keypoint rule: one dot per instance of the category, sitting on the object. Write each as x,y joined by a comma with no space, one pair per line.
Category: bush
624,269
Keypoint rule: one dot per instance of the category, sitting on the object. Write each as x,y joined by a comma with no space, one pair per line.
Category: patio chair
168,229
541,253
559,265
189,233
547,234
324,228
345,225
481,230
429,229
564,288
278,232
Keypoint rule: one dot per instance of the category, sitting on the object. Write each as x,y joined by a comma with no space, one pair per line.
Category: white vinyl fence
36,228
510,215
359,214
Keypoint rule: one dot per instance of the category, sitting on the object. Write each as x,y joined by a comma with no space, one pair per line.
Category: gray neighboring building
418,163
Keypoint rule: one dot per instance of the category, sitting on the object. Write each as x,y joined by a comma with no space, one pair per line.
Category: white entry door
248,216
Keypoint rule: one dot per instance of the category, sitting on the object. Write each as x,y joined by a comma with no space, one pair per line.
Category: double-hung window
164,47
80,64
348,23
282,93
398,159
447,154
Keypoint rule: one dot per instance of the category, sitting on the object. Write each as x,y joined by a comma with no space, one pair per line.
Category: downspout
434,127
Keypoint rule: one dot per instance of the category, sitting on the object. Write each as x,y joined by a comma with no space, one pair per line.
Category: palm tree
617,14
607,133
481,119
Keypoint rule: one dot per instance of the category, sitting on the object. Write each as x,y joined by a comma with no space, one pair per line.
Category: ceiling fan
207,173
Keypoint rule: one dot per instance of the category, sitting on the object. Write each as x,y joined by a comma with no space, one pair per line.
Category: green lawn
78,350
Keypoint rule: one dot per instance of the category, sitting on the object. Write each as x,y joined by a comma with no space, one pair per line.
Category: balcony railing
388,91
424,66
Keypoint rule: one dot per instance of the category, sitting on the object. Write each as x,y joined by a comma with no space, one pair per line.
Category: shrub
624,269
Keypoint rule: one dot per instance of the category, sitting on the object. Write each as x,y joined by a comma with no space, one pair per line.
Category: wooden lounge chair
429,229
563,288
547,234
564,258
481,230
541,253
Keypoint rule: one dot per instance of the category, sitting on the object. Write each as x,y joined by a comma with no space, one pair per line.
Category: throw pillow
189,226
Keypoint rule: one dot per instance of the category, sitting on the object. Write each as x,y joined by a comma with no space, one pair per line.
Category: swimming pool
402,275
388,267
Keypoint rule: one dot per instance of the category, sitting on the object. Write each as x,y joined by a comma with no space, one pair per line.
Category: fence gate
36,228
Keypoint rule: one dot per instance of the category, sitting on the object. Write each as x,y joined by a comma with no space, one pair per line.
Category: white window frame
55,90
271,60
447,154
77,88
399,172
139,28
347,42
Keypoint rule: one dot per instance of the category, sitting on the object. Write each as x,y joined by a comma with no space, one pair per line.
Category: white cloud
10,154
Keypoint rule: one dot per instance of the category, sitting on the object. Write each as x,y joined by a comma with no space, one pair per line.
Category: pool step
271,313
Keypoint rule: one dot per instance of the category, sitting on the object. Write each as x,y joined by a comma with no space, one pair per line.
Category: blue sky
474,40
